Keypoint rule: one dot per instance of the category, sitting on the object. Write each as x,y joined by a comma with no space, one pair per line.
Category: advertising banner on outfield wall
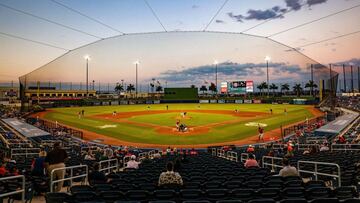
230,101
156,101
213,101
247,101
221,101
257,101
239,101
203,101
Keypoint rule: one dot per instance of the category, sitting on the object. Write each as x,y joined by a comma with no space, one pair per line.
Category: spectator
251,162
170,177
132,163
56,159
38,165
109,152
3,171
324,148
287,169
89,157
250,149
97,177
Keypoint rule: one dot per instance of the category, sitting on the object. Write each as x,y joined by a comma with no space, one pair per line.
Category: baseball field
155,124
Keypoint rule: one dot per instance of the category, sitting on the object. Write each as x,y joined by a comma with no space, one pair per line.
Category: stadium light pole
216,72
267,59
87,58
344,77
136,79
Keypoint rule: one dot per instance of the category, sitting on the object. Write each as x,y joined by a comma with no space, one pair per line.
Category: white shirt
132,164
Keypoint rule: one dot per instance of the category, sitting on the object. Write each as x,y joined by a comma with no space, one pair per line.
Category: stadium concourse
325,167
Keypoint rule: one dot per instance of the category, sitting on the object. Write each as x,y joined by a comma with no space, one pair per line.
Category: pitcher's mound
183,117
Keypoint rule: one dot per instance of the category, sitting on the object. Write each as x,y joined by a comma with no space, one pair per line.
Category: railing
71,176
110,167
232,156
316,140
244,157
345,147
316,172
153,152
22,190
88,148
278,146
272,164
125,160
213,151
306,146
28,151
221,153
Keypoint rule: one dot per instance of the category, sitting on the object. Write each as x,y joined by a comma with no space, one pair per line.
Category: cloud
229,70
353,61
293,4
274,12
195,6
314,2
220,21
238,18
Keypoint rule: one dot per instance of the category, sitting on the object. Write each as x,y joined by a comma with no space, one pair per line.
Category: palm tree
130,88
262,86
192,86
311,85
119,88
159,88
212,87
298,89
273,87
203,89
285,87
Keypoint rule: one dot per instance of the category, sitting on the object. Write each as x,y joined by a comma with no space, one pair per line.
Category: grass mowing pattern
139,134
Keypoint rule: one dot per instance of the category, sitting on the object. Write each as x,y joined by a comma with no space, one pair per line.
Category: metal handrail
246,155
109,167
26,153
213,151
232,156
278,146
221,153
316,173
305,146
345,147
52,181
23,188
272,162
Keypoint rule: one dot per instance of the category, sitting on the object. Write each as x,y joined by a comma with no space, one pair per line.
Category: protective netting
178,59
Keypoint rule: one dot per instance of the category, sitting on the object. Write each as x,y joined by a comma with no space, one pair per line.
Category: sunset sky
35,32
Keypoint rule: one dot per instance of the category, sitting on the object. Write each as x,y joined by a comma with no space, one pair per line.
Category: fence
345,147
25,152
70,177
221,153
232,156
243,157
292,129
49,126
306,146
316,172
272,164
110,165
22,190
316,140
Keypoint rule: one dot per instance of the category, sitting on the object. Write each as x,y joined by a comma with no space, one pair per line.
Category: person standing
55,159
261,133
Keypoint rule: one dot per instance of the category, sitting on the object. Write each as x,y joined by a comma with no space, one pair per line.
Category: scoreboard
237,87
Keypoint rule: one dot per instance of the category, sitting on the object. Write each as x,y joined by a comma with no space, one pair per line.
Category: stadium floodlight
87,58
136,83
216,67
267,59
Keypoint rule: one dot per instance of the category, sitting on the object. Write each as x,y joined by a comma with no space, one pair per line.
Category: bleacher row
207,178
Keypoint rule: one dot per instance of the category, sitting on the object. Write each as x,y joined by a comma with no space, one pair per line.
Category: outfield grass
140,134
